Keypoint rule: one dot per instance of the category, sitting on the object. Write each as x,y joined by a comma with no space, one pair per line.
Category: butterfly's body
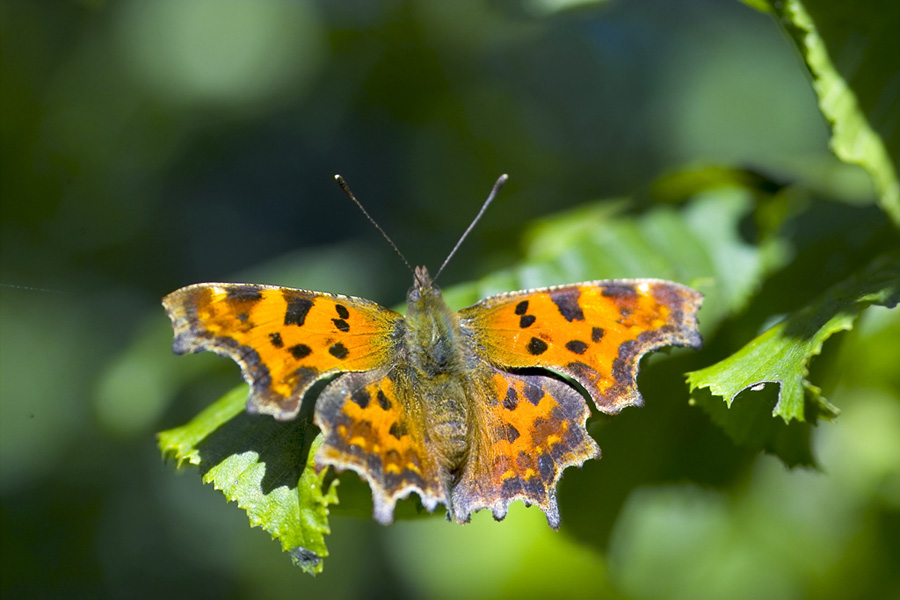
465,408
440,369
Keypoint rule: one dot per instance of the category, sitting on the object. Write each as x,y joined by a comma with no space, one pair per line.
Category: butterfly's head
423,288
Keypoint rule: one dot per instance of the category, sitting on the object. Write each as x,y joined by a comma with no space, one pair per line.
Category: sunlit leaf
266,467
777,362
852,52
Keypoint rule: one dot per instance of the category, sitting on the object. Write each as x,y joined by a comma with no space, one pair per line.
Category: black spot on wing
383,400
522,307
361,397
533,393
275,340
597,334
576,346
341,325
511,400
567,303
342,311
526,321
300,351
617,290
536,346
338,350
398,430
297,309
244,294
510,432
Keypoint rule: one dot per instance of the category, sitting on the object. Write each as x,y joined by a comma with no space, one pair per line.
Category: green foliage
148,146
853,55
704,243
781,356
255,461
699,242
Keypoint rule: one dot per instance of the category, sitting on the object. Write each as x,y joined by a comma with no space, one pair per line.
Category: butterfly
471,409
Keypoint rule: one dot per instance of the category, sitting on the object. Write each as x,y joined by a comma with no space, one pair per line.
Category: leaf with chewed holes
778,359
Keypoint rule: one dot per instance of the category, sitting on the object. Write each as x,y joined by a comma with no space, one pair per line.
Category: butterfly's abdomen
434,352
439,376
446,403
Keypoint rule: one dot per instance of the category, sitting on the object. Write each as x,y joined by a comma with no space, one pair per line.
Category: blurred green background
150,145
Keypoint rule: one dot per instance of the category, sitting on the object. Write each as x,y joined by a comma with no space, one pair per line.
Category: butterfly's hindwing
373,425
532,428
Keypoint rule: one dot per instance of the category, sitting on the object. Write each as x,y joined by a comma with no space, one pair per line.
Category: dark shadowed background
150,145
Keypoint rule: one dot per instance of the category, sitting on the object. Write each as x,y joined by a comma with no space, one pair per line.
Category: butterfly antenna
496,190
347,191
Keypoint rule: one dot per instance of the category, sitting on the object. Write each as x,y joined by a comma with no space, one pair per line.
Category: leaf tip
306,559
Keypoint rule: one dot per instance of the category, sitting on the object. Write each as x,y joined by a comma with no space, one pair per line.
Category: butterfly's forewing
531,428
284,339
594,332
374,424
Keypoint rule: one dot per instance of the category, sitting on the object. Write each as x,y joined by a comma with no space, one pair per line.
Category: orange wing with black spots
594,332
435,402
284,339
375,425
533,427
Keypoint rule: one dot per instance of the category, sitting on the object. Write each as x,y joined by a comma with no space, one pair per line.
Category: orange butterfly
470,409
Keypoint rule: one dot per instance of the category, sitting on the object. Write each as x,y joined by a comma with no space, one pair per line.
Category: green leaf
181,443
852,51
771,371
266,467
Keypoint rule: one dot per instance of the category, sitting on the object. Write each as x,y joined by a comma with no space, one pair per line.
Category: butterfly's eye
413,295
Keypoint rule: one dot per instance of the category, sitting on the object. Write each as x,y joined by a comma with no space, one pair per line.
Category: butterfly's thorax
432,333
438,366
